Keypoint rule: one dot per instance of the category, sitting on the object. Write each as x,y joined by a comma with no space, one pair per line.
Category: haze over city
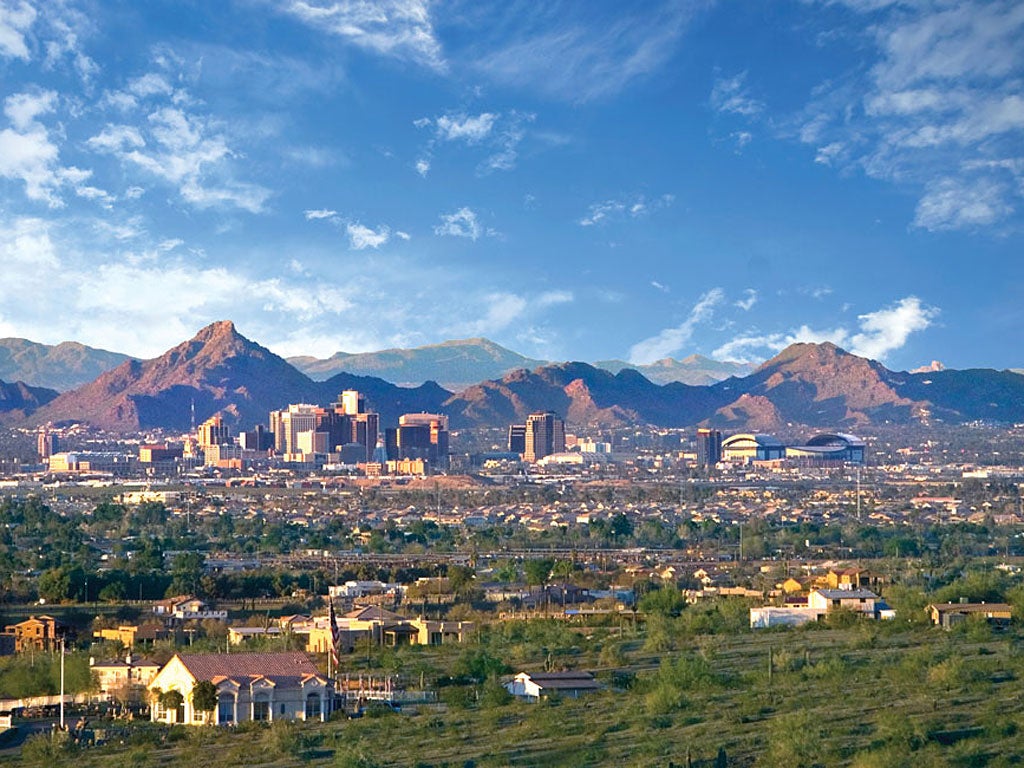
573,180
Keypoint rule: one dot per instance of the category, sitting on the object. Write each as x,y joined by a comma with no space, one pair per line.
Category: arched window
261,706
313,706
226,709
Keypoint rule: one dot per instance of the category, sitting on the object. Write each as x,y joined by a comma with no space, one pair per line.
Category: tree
621,526
204,696
667,601
537,572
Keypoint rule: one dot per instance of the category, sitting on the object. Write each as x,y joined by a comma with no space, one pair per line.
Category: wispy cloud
29,154
361,237
499,133
185,149
748,301
731,94
878,334
574,52
940,111
402,29
461,223
15,20
671,340
320,213
610,210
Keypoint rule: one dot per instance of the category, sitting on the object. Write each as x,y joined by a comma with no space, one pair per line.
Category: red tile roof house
533,686
250,686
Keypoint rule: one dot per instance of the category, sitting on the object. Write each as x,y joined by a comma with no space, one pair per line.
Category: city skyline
571,182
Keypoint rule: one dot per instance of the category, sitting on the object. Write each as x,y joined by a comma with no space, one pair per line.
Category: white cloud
748,301
574,52
320,213
15,20
879,334
962,204
188,151
28,154
462,127
742,138
403,235
612,209
939,112
671,340
462,223
552,298
361,237
500,133
398,28
731,95
886,330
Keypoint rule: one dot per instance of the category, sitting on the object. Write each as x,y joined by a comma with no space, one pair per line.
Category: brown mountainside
18,399
218,370
816,384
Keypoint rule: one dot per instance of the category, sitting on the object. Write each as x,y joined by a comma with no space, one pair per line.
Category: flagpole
62,683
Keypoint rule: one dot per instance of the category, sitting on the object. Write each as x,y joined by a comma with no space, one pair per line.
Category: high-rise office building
517,438
709,447
420,436
47,443
287,424
213,431
545,435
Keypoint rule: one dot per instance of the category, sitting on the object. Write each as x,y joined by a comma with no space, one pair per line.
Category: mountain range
815,385
462,363
62,366
455,365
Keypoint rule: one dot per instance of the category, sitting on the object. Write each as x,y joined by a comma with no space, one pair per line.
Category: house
130,635
382,627
119,677
186,608
784,616
948,615
857,600
250,686
239,635
39,633
533,686
853,578
791,586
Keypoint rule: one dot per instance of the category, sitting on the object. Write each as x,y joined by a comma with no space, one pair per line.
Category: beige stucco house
250,686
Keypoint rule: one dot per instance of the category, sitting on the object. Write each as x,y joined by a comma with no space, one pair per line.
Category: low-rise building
250,686
948,615
534,686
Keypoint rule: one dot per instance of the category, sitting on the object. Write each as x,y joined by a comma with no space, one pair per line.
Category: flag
335,638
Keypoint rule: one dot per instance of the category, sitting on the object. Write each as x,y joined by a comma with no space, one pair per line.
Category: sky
586,180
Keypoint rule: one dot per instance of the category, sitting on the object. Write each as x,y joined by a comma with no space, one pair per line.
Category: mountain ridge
814,385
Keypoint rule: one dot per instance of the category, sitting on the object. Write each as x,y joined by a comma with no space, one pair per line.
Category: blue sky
581,180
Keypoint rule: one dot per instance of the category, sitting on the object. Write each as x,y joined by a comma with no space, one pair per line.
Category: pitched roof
373,613
244,667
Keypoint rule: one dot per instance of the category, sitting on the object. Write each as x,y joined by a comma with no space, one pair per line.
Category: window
261,707
226,708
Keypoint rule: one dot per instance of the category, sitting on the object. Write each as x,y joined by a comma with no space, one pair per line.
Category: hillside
455,364
62,366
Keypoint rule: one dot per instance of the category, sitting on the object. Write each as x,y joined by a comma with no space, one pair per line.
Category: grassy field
863,695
